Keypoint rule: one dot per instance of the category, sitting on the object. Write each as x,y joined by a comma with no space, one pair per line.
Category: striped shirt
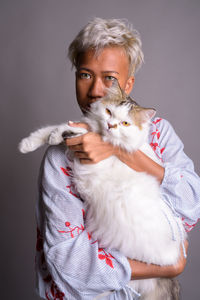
69,263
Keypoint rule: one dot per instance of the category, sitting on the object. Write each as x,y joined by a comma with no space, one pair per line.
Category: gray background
37,88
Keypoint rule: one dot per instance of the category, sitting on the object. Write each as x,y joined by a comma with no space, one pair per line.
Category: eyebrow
110,72
104,72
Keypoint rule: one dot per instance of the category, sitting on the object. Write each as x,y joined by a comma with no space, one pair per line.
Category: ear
147,114
129,85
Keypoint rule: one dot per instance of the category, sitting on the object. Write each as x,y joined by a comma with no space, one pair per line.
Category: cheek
104,122
122,82
81,93
80,88
125,130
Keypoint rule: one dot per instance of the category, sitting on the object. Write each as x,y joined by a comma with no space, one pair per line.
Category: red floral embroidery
71,190
157,121
187,226
72,230
47,296
83,212
156,133
78,229
107,256
161,150
154,144
103,255
89,236
54,291
67,171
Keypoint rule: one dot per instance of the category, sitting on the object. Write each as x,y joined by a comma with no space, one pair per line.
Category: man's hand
141,270
180,265
89,147
140,162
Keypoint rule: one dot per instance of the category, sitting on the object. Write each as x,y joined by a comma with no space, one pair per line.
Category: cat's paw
55,137
71,132
27,145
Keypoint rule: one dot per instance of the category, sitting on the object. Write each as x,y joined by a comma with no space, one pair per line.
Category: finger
74,141
80,154
76,147
186,243
86,161
78,124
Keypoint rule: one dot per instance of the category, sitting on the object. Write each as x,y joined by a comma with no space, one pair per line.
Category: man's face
97,72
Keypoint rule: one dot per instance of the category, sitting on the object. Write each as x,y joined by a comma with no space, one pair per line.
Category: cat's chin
111,139
116,143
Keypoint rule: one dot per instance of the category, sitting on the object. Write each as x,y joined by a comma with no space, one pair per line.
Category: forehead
108,59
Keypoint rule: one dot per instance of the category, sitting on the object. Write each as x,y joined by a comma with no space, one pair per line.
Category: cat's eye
124,123
108,112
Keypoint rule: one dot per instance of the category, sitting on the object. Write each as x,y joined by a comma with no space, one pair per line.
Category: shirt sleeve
69,262
180,187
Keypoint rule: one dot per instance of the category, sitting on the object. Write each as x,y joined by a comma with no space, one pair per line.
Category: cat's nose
112,126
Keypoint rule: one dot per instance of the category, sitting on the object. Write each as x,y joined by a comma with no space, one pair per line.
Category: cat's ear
115,91
147,114
142,115
118,89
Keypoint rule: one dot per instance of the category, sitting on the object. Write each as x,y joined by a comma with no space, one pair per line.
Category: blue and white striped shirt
69,263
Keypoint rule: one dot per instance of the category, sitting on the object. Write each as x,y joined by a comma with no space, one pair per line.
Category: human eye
110,78
84,75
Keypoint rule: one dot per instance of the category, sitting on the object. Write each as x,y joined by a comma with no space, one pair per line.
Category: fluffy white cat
125,210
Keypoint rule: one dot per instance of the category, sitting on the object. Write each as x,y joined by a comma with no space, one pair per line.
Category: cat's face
121,123
115,120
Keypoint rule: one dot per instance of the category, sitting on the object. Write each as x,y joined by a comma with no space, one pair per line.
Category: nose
97,90
112,126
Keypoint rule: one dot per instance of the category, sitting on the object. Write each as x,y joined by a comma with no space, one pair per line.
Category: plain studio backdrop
37,88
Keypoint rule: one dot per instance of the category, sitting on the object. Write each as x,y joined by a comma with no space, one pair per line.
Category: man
69,263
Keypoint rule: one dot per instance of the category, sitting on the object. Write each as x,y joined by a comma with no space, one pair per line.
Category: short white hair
100,33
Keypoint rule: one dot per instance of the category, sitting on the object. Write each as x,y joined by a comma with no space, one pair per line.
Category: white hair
100,33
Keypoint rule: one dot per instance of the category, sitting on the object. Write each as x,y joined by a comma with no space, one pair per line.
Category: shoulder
55,150
161,123
162,137
54,156
55,169
161,127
